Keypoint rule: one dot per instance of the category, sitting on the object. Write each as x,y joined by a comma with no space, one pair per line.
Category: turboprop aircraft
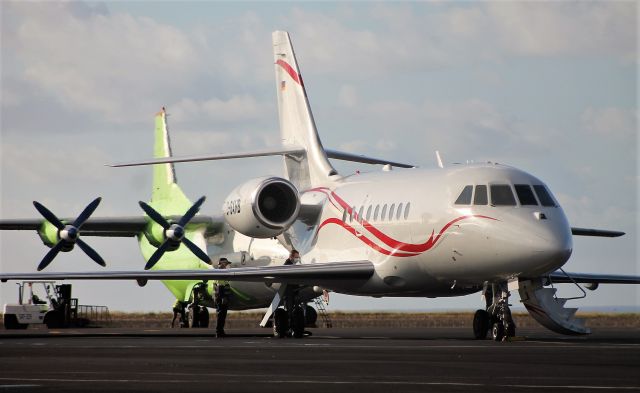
401,231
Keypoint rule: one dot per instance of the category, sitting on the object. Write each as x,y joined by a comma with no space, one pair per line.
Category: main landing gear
497,317
290,320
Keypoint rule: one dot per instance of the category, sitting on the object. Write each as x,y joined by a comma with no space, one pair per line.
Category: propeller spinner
174,233
69,234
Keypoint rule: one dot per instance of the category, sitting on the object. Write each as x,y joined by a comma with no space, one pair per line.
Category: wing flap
306,274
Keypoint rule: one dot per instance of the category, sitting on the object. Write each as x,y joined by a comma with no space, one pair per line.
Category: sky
548,87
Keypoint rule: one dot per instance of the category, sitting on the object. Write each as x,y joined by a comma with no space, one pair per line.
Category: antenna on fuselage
439,159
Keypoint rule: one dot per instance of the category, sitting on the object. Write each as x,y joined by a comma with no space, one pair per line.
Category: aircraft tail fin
166,192
297,127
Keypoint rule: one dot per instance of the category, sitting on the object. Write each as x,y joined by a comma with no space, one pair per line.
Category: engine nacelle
263,207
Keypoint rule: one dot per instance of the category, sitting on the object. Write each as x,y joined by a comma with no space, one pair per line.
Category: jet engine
263,207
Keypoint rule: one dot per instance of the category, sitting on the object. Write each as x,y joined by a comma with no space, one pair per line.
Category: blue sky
548,87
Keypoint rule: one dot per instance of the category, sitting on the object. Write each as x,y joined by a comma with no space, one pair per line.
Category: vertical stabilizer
166,192
297,126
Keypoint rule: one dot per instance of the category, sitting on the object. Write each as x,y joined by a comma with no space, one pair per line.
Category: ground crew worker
178,309
292,289
294,258
222,295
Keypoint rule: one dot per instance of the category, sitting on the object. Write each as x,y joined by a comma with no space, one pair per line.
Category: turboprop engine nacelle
263,207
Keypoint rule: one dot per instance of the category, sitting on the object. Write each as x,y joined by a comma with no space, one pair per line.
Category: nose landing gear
497,317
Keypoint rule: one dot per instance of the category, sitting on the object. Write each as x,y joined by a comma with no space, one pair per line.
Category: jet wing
305,274
113,226
595,232
589,278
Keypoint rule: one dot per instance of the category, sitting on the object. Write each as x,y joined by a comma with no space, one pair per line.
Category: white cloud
566,28
237,108
37,164
106,64
348,96
611,121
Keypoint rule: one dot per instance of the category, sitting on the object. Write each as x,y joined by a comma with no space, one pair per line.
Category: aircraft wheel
54,320
497,331
185,319
11,322
481,322
310,316
193,316
298,322
280,323
204,317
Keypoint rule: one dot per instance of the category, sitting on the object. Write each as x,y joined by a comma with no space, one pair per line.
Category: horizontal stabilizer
339,155
595,232
220,156
307,274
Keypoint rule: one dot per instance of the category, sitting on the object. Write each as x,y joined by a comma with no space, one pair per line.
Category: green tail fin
166,195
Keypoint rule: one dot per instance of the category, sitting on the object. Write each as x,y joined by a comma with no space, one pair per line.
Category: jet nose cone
550,247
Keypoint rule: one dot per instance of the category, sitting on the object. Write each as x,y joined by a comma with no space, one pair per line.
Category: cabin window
375,213
525,195
344,215
399,211
543,195
383,215
353,211
501,195
360,213
465,196
406,210
391,210
369,213
480,197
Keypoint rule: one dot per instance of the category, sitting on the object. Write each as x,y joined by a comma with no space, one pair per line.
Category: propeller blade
196,250
86,213
154,215
157,255
46,213
50,255
193,210
90,252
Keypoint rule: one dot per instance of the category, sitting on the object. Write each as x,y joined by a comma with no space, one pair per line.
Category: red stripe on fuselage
292,73
364,239
387,240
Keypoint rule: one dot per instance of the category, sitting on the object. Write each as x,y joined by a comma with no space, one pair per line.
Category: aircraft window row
502,195
378,212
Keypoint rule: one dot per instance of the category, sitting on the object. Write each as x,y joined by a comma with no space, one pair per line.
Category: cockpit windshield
543,195
525,195
503,195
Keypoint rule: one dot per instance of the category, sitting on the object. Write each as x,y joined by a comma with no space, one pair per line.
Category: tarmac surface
331,360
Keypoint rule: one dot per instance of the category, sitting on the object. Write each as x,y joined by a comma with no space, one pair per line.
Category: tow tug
44,302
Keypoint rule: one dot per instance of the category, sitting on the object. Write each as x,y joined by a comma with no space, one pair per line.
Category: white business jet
407,232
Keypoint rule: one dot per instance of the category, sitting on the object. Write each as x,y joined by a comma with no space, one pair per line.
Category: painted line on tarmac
316,381
329,346
581,387
298,381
